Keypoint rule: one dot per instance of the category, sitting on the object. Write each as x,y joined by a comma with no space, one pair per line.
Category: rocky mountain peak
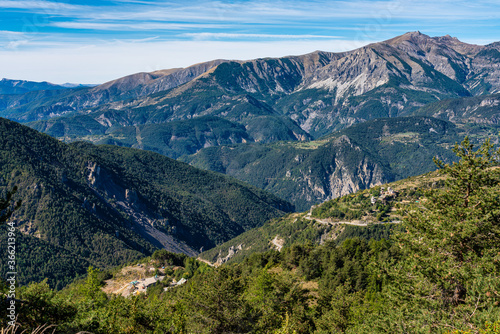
414,37
417,40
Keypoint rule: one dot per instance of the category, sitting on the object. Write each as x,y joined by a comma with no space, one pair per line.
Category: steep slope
172,139
82,203
359,157
368,213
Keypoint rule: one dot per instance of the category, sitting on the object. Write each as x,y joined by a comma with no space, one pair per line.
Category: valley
83,202
348,192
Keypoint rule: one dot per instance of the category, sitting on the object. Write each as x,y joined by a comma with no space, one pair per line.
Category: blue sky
97,41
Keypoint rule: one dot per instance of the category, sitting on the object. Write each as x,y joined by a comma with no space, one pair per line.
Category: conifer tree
449,277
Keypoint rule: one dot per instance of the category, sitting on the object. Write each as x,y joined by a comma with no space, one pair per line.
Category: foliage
451,248
489,328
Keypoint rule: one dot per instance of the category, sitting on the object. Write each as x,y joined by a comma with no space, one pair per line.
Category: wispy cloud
15,44
209,35
131,26
39,5
258,11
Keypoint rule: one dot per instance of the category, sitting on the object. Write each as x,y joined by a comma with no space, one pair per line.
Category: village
385,195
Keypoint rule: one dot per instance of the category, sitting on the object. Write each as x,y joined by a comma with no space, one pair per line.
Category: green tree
216,304
345,311
277,301
449,275
39,305
92,287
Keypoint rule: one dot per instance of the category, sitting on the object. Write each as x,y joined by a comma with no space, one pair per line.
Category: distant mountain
8,86
301,97
106,205
132,86
359,157
75,85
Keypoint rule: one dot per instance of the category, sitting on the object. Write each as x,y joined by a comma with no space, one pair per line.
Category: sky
92,42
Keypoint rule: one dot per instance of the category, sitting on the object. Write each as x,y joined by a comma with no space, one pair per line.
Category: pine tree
449,277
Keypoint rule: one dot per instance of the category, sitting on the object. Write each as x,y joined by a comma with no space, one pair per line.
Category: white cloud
15,44
42,6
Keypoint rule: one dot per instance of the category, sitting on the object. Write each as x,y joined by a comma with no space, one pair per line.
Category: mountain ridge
314,69
310,95
92,201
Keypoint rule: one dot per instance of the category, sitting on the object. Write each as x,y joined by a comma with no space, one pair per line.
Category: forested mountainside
482,109
173,139
105,205
367,213
359,157
437,273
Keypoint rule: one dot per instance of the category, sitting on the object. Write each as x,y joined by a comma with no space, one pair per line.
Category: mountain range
312,94
306,129
400,75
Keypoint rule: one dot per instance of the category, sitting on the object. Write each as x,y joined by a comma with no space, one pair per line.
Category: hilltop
367,213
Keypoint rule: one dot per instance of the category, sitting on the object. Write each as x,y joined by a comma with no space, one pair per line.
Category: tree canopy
450,273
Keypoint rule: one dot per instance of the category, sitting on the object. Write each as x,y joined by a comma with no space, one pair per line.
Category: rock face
336,168
360,157
347,180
